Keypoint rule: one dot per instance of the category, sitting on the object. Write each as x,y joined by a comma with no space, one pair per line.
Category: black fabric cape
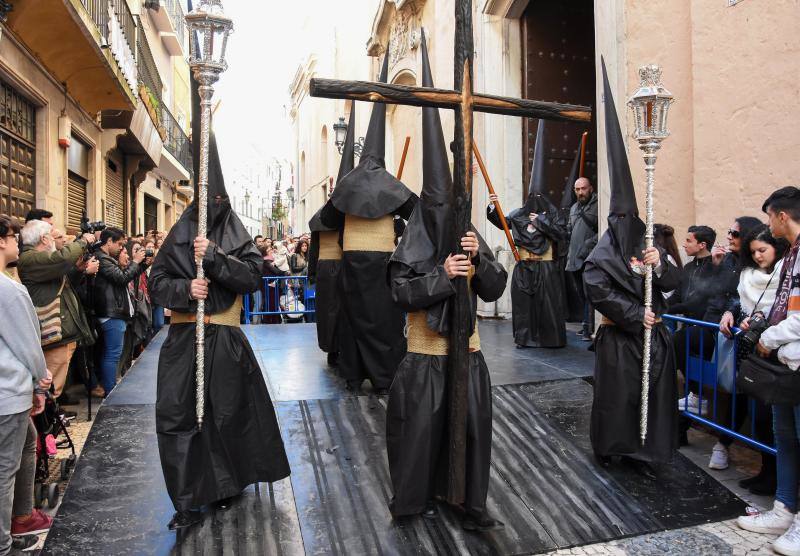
537,287
417,411
618,293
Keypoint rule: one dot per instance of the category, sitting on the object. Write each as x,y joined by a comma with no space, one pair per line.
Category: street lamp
340,134
650,105
290,196
209,28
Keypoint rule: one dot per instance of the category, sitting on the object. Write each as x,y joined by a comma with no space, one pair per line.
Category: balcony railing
175,11
98,10
149,77
177,143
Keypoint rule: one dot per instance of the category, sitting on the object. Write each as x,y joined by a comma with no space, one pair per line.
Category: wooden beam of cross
464,102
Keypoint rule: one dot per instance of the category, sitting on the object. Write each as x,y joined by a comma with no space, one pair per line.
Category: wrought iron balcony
98,10
177,143
150,84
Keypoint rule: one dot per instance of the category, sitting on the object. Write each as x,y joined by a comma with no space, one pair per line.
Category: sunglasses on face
734,234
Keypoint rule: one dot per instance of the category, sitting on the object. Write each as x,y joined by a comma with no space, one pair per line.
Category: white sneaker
719,457
691,403
788,544
775,521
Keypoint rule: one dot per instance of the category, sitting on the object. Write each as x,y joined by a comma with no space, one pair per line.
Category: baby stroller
292,301
50,424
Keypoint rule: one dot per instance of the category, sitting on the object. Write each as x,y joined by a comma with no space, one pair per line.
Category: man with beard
325,258
239,443
421,271
614,282
583,238
364,205
537,285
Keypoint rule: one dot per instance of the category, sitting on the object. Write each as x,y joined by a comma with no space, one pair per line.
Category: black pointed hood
225,229
426,239
624,237
568,197
369,191
346,165
526,234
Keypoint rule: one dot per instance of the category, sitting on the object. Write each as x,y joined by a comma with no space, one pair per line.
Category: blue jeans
158,318
113,331
786,420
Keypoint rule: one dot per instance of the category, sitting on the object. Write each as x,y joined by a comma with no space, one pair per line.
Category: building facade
78,135
729,65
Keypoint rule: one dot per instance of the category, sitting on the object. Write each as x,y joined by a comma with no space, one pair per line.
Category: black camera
149,253
91,227
748,339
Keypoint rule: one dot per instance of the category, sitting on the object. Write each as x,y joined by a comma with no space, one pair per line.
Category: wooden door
558,65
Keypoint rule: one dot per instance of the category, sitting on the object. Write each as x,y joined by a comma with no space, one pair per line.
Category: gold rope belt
329,249
228,317
369,234
608,322
526,255
421,339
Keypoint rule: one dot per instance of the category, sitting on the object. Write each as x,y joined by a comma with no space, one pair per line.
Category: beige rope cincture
423,340
369,234
526,255
329,249
229,317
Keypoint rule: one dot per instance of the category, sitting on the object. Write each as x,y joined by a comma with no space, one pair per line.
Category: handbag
50,319
769,382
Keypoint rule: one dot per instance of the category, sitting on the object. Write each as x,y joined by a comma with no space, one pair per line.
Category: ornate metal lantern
650,105
340,132
209,29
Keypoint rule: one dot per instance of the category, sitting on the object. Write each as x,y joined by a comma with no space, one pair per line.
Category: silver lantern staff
650,105
208,38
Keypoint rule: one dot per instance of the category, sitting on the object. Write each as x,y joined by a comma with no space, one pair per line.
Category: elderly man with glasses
43,270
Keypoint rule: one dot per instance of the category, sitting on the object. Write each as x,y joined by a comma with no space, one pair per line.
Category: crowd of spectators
78,303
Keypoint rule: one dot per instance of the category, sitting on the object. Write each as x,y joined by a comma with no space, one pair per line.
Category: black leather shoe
480,522
184,520
602,461
641,467
430,511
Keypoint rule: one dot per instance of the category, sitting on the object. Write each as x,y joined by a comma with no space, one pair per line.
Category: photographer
112,303
781,342
43,270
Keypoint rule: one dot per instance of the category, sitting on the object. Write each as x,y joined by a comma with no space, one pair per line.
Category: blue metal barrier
705,373
280,294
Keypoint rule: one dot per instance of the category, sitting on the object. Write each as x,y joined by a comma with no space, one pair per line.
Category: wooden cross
464,102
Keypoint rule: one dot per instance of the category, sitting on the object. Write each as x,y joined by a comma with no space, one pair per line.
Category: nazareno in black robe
417,411
371,341
618,293
240,442
537,287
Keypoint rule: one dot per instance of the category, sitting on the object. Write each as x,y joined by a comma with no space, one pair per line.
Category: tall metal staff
207,61
650,105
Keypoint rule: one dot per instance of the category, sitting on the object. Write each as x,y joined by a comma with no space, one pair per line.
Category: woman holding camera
760,256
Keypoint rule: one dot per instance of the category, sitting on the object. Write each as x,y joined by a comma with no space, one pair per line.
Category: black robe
417,411
240,442
324,274
370,331
614,290
537,287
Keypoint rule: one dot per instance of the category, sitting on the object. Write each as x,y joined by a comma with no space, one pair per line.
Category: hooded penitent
369,190
364,205
239,443
617,292
416,418
537,285
325,257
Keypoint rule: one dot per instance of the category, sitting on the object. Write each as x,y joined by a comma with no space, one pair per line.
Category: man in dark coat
239,443
614,282
537,285
364,204
421,272
324,261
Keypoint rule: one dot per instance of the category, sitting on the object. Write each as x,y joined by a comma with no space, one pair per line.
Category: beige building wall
20,69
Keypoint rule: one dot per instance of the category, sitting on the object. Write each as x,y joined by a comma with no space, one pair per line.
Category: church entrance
558,65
